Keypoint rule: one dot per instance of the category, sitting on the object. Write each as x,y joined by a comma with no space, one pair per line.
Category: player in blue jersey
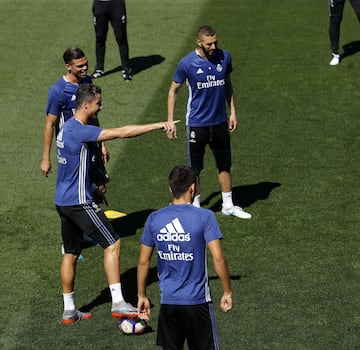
181,233
206,72
61,106
74,202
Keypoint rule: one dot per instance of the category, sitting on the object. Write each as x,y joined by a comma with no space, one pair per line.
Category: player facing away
74,202
206,72
180,233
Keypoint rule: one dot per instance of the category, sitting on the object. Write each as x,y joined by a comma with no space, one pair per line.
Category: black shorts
194,323
218,139
86,219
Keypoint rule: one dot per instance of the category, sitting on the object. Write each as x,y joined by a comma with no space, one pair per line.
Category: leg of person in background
228,207
101,26
336,14
119,24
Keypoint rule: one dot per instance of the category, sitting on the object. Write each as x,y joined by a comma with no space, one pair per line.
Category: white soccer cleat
71,316
123,310
236,211
335,60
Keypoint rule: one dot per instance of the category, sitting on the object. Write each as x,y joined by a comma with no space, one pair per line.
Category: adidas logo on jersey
173,232
199,71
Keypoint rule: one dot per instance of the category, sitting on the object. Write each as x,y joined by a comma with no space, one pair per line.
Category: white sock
196,201
116,293
69,303
227,200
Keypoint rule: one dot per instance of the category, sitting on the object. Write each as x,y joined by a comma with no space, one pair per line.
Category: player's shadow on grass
139,64
243,196
127,225
350,49
129,289
129,283
232,277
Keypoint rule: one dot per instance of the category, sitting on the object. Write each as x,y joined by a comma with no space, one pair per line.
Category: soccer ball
132,325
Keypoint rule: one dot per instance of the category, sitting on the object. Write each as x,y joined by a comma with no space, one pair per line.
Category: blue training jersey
180,234
75,152
62,100
205,80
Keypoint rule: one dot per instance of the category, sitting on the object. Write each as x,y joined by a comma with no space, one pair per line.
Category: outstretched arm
222,270
129,131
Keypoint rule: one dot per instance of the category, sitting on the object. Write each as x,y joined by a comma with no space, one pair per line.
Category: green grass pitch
295,266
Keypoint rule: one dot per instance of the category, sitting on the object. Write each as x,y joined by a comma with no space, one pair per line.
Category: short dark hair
87,93
72,53
181,178
206,30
